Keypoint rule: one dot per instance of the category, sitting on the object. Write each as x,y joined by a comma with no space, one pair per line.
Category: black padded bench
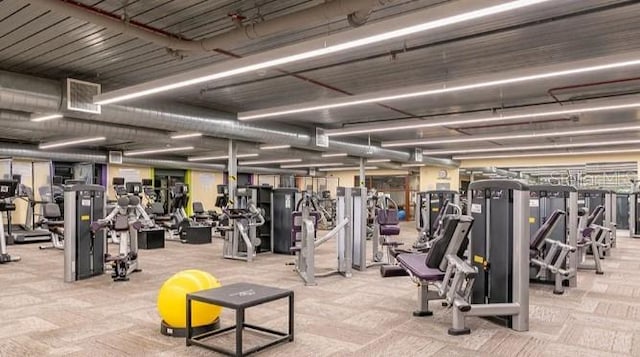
239,297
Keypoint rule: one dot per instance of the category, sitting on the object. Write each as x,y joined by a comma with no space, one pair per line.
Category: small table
239,297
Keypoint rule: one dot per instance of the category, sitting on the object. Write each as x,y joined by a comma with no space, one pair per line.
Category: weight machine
127,219
239,243
342,232
7,190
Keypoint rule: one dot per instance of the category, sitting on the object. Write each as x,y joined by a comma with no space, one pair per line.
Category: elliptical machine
7,190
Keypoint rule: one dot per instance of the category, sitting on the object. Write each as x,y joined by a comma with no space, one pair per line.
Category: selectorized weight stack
84,252
428,205
634,213
499,250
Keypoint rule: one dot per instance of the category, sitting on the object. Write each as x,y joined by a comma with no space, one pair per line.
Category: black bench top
240,295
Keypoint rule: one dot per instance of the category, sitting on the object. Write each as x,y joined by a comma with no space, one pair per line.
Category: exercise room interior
319,178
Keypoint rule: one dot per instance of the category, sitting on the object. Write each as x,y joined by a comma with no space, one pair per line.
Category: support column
232,168
362,172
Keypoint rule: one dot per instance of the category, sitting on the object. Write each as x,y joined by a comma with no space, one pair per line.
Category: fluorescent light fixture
311,165
594,106
264,162
353,168
340,154
220,157
58,144
372,161
545,154
186,135
274,147
413,165
121,95
339,103
46,117
531,147
512,136
156,151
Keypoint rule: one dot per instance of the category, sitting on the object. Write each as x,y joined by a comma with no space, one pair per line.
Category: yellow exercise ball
172,299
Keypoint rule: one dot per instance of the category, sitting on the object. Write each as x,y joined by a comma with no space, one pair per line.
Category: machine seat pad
416,265
201,216
389,230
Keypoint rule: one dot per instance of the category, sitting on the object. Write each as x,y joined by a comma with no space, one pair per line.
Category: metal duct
357,12
27,151
32,94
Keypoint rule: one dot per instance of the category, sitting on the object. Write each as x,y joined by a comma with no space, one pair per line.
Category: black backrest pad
157,208
441,242
595,215
537,240
51,211
198,207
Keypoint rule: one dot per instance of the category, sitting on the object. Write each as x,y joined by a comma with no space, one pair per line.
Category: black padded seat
416,264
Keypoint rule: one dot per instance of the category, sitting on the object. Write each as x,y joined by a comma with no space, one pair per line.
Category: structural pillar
232,168
362,172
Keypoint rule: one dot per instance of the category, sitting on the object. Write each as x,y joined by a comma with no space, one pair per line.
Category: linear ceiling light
220,157
274,147
378,160
351,168
609,105
512,136
340,154
46,117
186,135
121,95
311,165
261,162
413,165
543,154
58,144
531,147
156,151
339,103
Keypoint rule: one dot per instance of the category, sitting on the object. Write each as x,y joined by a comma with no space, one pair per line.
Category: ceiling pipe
76,127
551,91
357,12
29,151
31,94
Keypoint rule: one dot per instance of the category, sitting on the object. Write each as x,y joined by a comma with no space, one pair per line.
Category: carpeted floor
362,316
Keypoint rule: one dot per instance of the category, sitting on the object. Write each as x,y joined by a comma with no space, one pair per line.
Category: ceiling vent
115,157
80,96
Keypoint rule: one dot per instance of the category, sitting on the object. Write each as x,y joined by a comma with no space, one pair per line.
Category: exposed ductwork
356,11
30,94
15,150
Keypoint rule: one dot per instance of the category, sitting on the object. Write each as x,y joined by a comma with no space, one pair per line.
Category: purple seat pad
416,264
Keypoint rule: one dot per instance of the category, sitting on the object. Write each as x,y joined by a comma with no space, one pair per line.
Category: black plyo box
196,235
151,239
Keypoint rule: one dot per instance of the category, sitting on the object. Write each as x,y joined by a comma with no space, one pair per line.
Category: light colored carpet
362,316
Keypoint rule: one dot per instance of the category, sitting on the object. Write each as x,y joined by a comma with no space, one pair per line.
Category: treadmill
26,233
